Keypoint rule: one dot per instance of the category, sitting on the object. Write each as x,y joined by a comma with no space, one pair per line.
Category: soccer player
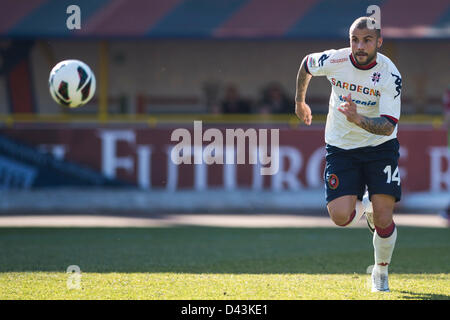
360,135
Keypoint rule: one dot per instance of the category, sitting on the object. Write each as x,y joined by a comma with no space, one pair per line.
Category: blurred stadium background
161,64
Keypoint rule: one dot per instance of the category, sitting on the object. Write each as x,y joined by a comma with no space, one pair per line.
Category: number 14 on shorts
392,177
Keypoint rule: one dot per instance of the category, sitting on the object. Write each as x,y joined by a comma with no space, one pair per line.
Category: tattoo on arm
380,126
303,79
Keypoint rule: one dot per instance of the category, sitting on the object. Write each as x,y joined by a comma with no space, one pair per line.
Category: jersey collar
358,66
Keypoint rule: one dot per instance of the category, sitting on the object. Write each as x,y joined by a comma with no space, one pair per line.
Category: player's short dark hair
365,23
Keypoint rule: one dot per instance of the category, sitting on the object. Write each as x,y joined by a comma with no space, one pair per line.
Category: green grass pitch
218,263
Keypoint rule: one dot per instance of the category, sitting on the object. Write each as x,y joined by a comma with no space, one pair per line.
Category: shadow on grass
217,250
409,295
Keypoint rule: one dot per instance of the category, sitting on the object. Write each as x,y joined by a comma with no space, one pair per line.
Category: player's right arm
302,110
314,64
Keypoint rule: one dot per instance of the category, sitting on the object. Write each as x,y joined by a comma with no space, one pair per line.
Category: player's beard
366,59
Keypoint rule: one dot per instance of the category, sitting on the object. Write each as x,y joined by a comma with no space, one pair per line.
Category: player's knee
383,213
382,219
339,216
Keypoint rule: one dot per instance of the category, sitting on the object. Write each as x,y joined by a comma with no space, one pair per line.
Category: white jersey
375,89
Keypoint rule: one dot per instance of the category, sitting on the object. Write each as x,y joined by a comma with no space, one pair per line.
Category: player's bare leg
346,210
384,239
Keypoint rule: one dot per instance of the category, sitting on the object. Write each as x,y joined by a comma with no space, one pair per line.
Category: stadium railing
153,120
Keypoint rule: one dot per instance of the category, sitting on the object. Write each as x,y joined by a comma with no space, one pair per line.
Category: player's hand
349,109
303,112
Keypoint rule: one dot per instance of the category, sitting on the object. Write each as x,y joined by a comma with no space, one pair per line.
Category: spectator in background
446,124
211,91
446,105
275,100
233,102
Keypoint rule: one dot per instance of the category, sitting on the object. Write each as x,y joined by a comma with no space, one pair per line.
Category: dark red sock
386,232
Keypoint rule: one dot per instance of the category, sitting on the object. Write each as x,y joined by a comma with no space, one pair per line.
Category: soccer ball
71,83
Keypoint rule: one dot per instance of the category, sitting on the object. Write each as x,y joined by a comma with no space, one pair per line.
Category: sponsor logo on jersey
363,103
338,60
355,87
376,77
398,83
322,59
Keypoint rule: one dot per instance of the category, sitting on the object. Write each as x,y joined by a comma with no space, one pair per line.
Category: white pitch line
222,220
79,221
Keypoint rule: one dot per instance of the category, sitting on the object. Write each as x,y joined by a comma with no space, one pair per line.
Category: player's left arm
379,125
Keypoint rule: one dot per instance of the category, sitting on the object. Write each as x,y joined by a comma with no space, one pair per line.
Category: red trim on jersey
390,118
358,66
306,64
